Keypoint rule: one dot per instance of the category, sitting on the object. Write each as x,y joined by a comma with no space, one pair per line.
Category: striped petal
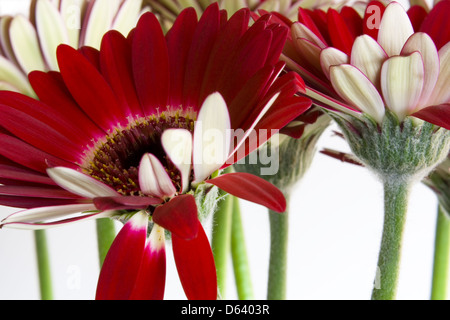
14,77
79,183
252,188
51,30
195,265
422,43
25,45
212,137
97,21
368,56
441,94
178,145
151,278
122,263
402,82
45,214
332,57
354,87
126,17
153,178
395,29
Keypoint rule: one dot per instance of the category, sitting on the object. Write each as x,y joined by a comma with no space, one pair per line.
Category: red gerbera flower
137,130
351,64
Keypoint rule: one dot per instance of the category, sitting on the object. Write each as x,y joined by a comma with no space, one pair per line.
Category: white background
336,216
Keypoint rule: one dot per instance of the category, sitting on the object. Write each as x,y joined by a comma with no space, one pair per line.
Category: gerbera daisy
29,44
378,75
137,130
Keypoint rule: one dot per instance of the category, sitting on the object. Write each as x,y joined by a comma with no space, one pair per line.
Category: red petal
29,203
305,17
92,55
416,15
150,64
121,265
437,24
40,132
250,56
196,267
36,192
199,55
19,173
179,216
151,279
179,39
29,156
353,20
252,188
438,115
89,89
115,64
341,36
125,202
51,90
223,49
372,18
245,102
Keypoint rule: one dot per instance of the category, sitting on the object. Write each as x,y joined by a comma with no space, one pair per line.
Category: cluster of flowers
132,110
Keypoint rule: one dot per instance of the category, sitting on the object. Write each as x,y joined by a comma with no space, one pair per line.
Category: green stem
220,241
239,254
279,225
441,256
106,232
43,261
396,195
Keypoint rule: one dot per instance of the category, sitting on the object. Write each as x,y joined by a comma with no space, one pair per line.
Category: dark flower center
115,161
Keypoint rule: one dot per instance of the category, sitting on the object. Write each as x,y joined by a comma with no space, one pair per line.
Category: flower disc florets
115,160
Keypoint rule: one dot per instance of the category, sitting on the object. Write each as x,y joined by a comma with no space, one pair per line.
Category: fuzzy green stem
106,232
396,195
220,241
239,254
441,266
43,261
279,225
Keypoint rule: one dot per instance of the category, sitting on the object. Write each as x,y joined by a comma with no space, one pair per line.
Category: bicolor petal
402,82
178,145
195,264
422,43
395,29
368,56
122,263
79,183
153,178
151,278
212,137
353,86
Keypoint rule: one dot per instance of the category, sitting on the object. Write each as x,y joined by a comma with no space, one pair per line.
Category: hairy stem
43,261
239,254
441,266
279,225
396,195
